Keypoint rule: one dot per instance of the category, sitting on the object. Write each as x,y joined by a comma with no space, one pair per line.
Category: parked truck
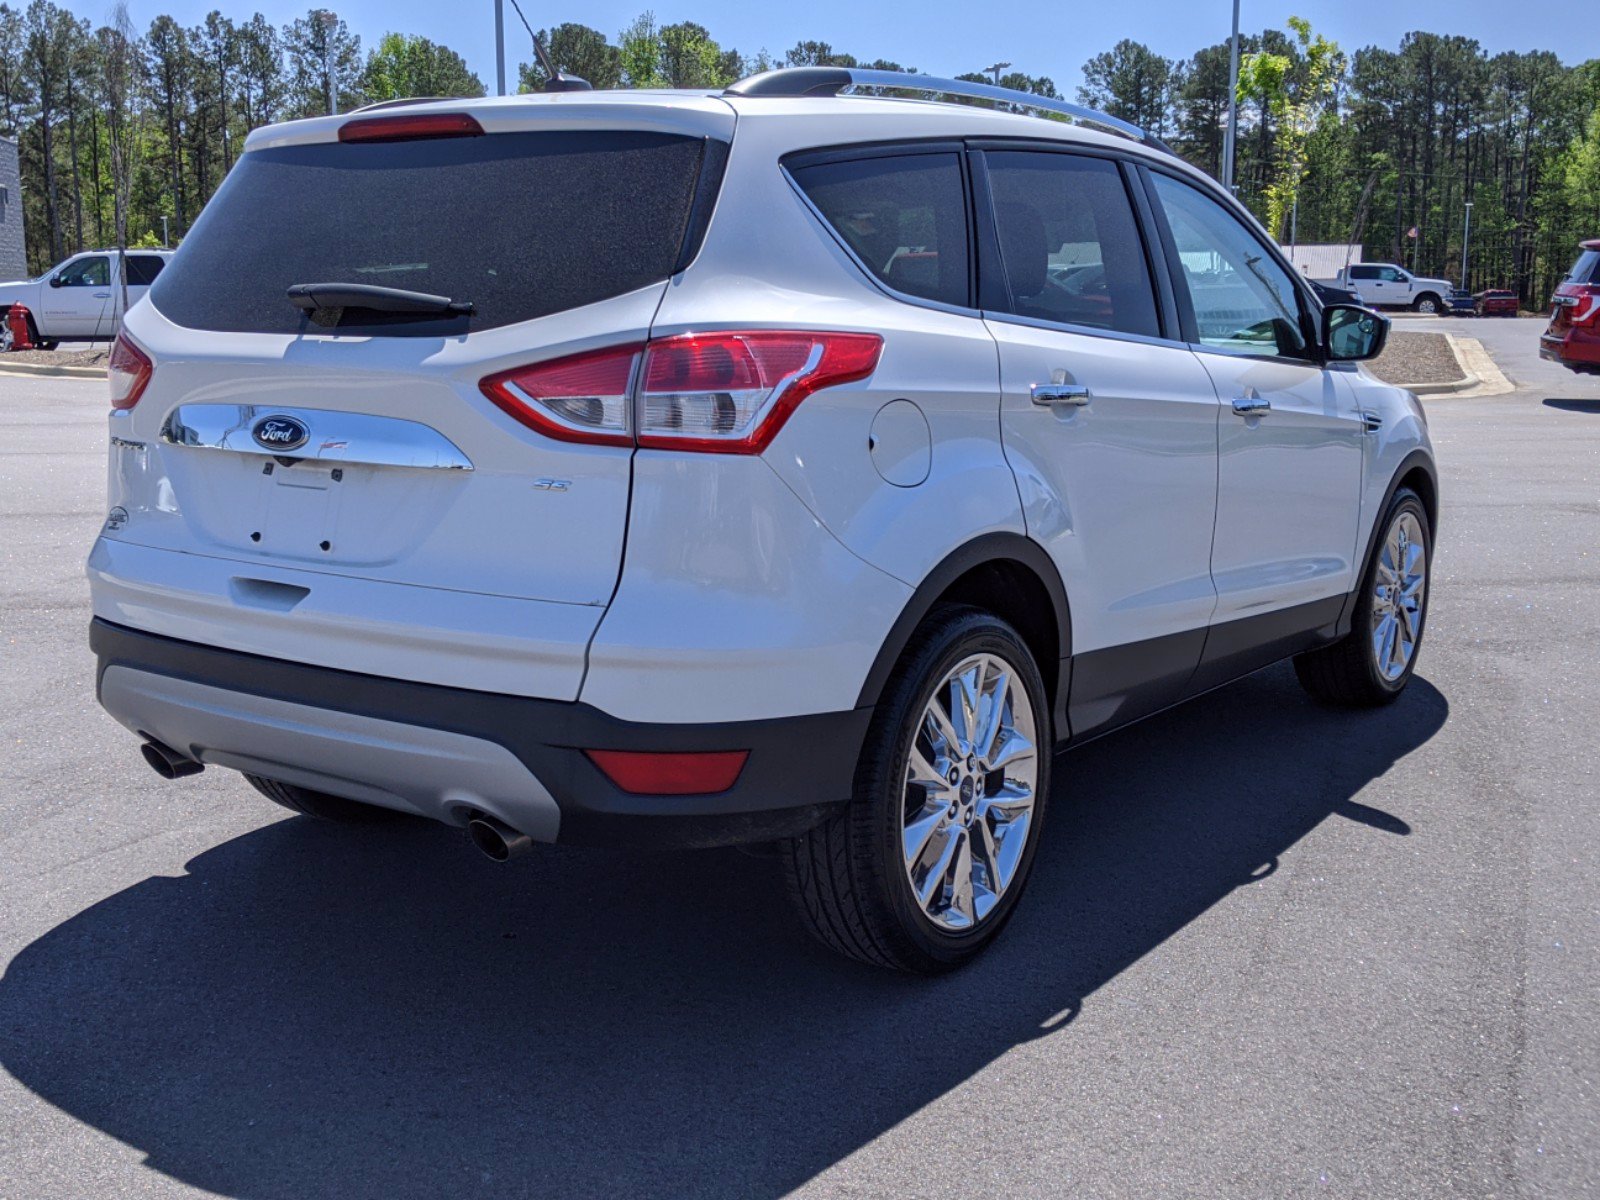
78,300
1385,285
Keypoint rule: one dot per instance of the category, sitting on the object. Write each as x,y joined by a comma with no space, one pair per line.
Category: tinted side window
1243,300
1068,242
87,272
905,217
1363,272
1586,269
1391,275
143,269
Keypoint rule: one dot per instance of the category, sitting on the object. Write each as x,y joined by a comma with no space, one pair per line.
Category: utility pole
1466,236
995,71
166,242
500,47
1231,137
329,23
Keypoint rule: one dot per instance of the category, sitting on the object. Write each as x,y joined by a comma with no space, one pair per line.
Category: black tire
1427,303
320,805
847,877
1346,674
38,343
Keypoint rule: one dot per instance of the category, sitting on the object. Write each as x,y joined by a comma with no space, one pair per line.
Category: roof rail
830,81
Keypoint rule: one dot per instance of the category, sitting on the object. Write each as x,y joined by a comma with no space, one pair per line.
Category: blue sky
942,37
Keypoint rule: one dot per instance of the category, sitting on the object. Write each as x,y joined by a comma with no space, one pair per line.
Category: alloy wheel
1399,592
969,792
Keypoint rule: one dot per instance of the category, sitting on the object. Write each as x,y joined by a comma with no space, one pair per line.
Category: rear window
1586,269
519,224
904,217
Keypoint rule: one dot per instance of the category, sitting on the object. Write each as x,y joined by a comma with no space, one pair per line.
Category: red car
1573,339
1496,302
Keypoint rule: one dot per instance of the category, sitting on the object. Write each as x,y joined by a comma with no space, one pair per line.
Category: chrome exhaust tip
497,839
167,762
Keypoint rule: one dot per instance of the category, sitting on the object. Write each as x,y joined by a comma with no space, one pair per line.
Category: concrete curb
1480,375
49,370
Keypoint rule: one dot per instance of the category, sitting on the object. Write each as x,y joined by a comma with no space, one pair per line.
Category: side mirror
1351,333
55,281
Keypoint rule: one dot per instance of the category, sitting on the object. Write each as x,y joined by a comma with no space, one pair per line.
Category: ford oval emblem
280,433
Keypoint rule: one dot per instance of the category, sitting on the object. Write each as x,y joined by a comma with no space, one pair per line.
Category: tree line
118,129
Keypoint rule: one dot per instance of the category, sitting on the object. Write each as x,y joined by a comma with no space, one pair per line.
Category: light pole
329,22
500,47
1231,136
1466,235
166,242
995,71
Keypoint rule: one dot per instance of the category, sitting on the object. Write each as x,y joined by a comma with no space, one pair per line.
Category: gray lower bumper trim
431,772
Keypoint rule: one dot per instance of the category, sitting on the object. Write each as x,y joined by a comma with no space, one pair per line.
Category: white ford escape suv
776,466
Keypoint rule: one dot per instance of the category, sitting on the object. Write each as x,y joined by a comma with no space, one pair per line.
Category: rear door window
143,269
1069,245
904,217
520,225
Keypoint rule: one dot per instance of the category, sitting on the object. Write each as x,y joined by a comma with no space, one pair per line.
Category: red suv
1573,339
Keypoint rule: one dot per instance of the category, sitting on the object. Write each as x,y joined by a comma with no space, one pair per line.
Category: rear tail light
582,398
128,370
1586,306
415,127
721,393
643,773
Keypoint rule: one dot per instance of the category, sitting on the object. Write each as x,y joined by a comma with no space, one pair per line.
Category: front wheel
926,864
1426,303
1372,664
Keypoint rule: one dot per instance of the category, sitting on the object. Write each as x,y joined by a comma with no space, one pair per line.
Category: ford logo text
280,433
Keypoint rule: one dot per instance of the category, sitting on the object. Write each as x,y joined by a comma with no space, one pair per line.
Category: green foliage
118,127
402,65
1296,89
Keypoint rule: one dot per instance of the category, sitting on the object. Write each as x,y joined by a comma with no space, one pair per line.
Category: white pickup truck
79,300
1384,285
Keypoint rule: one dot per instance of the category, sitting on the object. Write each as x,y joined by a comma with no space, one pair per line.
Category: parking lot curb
48,370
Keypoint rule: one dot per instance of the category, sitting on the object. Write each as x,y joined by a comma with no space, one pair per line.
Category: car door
1364,281
75,297
1291,440
1108,420
142,272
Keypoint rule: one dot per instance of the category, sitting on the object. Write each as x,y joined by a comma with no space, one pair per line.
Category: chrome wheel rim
968,796
1399,592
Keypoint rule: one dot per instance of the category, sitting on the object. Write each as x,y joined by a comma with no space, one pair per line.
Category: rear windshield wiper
312,296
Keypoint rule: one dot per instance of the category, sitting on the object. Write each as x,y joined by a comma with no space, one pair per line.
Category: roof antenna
554,80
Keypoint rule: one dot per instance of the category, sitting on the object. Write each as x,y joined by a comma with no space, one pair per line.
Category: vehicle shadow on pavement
321,1011
1583,406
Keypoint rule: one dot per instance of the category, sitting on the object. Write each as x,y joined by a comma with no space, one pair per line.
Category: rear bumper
1572,346
447,752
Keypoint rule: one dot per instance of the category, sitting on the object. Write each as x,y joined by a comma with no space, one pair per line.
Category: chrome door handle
1046,394
102,295
1251,404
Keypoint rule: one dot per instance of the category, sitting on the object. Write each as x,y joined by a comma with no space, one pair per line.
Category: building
1322,262
13,250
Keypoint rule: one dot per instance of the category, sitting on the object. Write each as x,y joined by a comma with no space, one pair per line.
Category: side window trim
797,160
1308,305
993,289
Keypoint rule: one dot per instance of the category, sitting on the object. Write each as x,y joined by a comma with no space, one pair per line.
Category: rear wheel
927,862
1372,664
324,807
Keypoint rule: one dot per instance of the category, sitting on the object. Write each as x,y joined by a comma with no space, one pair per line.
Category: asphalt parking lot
1269,950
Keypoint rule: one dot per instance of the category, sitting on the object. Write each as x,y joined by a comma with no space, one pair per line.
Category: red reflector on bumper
649,773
